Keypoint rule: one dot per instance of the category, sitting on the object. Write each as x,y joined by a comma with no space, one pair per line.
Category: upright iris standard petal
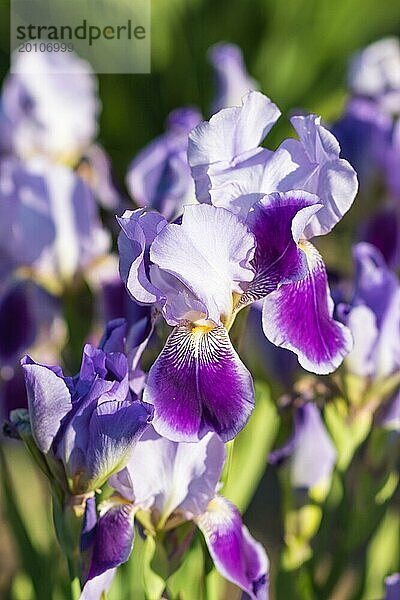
237,556
113,538
232,170
232,135
310,450
198,384
277,222
139,228
320,171
209,253
232,81
49,401
298,316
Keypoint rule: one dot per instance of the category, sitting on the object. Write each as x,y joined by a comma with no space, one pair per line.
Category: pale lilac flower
159,176
48,220
373,316
375,73
310,450
50,105
231,79
174,483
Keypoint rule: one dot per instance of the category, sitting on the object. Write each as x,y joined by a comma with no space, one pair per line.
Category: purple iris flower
200,271
175,483
392,587
87,424
373,316
50,105
49,220
159,176
232,81
310,450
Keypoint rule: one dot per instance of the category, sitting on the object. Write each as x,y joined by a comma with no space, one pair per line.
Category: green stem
75,586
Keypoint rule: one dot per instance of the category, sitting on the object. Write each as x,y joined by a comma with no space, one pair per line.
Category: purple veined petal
278,222
298,316
169,476
139,229
392,587
114,429
199,384
319,171
49,401
114,536
232,81
230,133
95,588
209,253
236,555
159,176
310,449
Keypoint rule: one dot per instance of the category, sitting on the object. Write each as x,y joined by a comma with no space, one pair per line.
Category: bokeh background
298,51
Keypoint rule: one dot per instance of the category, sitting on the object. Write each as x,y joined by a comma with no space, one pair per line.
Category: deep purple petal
114,336
198,384
49,401
277,222
237,556
89,524
298,316
113,540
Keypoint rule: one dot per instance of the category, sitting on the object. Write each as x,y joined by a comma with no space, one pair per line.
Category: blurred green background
298,51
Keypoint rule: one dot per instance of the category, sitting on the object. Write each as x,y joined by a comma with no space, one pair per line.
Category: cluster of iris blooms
222,233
